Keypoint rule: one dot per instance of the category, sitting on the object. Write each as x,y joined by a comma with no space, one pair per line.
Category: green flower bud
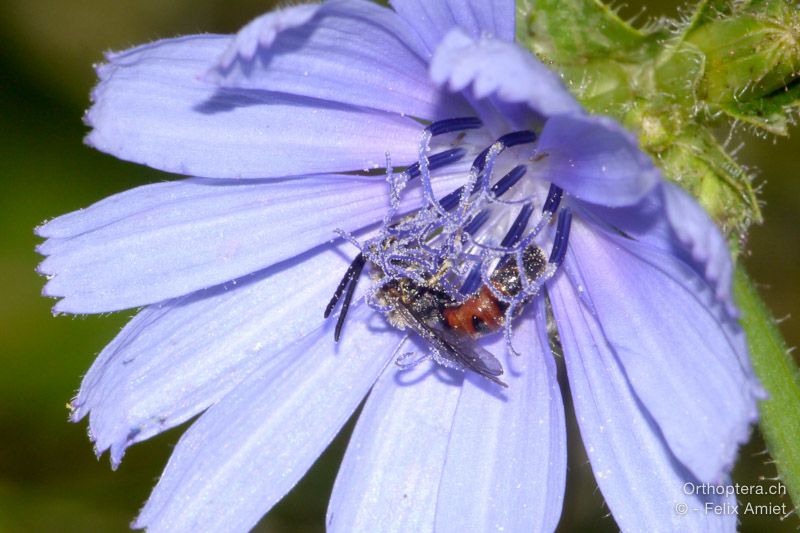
748,56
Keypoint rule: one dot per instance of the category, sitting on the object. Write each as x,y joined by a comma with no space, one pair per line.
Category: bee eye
479,325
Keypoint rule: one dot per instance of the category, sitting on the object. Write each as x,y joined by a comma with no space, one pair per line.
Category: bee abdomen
478,314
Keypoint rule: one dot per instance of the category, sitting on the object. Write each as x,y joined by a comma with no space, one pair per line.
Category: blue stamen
435,161
553,199
454,124
562,237
516,138
509,180
480,161
476,223
450,200
505,141
518,227
473,281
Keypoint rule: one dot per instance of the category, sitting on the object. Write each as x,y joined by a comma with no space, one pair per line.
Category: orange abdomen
478,314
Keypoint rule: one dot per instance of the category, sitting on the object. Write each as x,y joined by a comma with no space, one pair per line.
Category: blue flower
292,127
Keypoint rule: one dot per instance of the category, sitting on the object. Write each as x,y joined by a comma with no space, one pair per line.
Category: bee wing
462,352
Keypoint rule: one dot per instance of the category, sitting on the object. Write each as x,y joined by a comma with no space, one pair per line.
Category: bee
449,325
484,312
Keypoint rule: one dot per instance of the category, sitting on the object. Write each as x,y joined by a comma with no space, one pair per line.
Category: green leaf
752,60
707,171
780,413
747,56
573,31
772,112
679,72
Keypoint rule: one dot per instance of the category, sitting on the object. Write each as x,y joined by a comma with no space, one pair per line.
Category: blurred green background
49,477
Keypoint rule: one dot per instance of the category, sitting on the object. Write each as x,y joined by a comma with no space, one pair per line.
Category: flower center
465,263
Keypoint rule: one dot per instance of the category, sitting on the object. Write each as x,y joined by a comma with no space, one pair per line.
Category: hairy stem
775,367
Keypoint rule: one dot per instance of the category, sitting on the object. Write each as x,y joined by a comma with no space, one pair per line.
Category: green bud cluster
679,83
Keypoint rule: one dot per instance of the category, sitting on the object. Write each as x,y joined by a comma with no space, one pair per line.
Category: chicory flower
290,129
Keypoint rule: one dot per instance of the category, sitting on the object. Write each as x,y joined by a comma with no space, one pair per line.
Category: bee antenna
349,281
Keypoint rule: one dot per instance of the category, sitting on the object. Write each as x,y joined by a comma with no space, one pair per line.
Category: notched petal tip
259,33
42,230
41,268
64,306
348,52
117,449
59,308
494,67
76,410
432,20
150,108
105,440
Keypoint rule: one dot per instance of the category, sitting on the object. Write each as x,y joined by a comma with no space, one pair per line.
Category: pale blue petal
703,240
247,451
169,239
176,359
644,221
641,480
432,20
507,459
390,474
681,356
595,160
348,51
670,220
502,70
151,107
